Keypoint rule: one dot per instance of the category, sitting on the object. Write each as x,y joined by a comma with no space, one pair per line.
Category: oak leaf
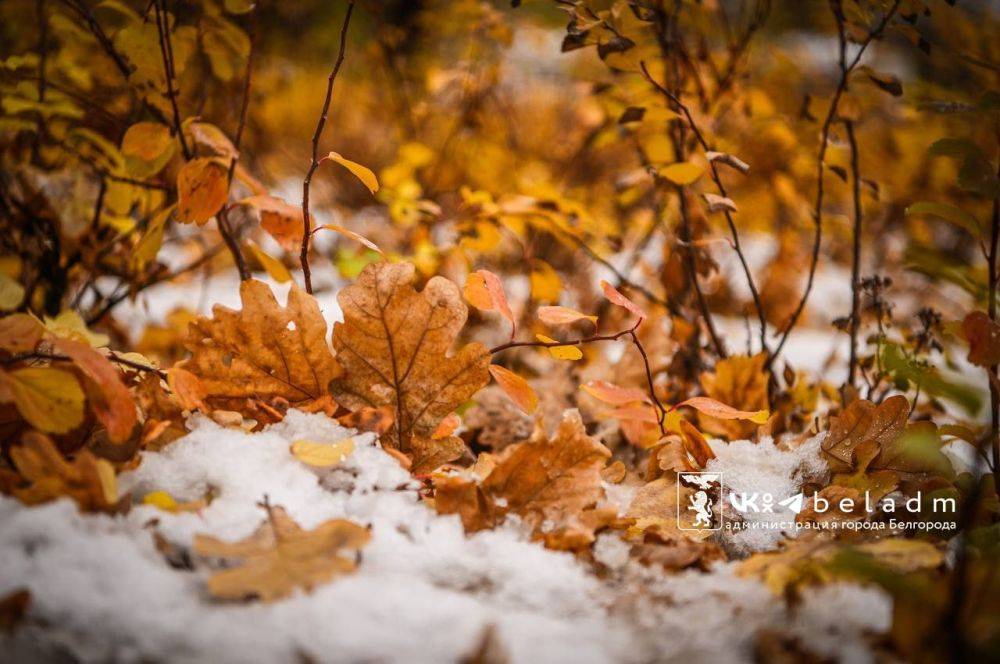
262,352
552,483
280,557
864,421
394,345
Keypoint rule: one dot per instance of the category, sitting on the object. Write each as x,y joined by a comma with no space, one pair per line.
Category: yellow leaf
275,268
515,387
147,146
682,172
322,455
545,282
49,399
69,325
161,500
151,240
362,173
567,352
354,236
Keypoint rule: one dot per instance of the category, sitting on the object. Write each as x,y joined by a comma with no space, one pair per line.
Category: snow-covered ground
423,591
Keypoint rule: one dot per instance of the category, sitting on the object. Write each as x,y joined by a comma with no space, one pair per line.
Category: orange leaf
282,220
614,394
562,316
202,190
351,234
446,427
112,403
19,333
188,389
616,297
484,291
515,387
720,410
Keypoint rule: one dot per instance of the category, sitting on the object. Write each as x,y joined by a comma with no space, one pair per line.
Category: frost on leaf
394,345
552,483
262,352
280,557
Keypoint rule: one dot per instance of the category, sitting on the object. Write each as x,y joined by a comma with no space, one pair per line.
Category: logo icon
698,495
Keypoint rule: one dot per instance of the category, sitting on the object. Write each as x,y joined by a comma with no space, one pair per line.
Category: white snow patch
423,592
772,473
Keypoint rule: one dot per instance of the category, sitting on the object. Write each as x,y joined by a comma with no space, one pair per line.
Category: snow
423,592
768,470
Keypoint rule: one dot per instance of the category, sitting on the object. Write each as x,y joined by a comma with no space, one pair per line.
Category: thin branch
314,162
855,322
734,233
630,332
166,51
845,72
112,356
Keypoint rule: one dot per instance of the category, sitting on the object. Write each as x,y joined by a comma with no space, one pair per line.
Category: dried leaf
394,344
484,291
280,557
729,160
553,483
615,297
562,316
262,351
354,236
721,411
282,220
983,336
89,481
862,421
111,402
515,387
202,190
719,203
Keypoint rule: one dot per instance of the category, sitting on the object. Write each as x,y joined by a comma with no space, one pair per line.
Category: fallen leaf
322,455
263,351
552,483
280,557
394,345
89,481
862,421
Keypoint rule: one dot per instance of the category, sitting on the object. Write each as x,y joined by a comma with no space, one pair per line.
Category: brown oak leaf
394,345
553,483
280,557
862,421
262,353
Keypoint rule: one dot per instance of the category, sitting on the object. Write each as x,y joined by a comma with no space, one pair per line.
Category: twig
112,356
734,233
991,308
223,217
855,322
845,72
630,332
314,162
166,51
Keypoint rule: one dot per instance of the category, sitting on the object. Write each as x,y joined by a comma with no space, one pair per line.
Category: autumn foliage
548,287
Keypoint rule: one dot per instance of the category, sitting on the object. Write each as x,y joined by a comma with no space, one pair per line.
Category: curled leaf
362,173
484,291
615,297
